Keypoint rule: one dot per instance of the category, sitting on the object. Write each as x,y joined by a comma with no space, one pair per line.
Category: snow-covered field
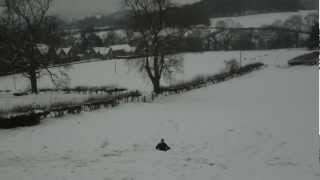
120,73
261,126
258,20
258,126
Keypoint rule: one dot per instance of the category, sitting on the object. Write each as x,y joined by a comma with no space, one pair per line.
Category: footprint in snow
110,155
104,144
262,134
128,178
222,166
80,163
277,161
202,161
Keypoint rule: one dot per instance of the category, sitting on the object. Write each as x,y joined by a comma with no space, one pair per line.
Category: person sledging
162,146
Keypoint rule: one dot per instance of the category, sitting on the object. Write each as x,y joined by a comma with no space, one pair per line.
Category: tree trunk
155,77
33,81
156,85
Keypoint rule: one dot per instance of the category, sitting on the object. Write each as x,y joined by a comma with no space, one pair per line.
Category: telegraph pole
14,80
240,58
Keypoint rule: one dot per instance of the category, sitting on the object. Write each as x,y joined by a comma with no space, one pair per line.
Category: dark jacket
162,146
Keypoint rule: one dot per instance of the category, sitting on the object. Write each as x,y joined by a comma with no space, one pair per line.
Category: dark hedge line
23,120
30,118
78,89
202,81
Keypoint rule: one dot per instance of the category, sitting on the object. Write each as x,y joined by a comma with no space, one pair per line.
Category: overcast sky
80,8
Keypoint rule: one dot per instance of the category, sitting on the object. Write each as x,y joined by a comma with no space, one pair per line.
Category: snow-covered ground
258,20
120,73
258,126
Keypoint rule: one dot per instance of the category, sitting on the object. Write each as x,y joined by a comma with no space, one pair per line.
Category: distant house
48,53
44,52
78,53
43,49
75,53
89,53
63,53
103,52
122,50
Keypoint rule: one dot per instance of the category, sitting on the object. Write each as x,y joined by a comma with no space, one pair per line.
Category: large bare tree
25,25
156,38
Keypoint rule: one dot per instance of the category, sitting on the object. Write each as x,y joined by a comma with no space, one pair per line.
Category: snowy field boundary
35,114
49,97
203,81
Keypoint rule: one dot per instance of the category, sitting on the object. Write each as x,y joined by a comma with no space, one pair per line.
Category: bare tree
24,26
155,40
111,38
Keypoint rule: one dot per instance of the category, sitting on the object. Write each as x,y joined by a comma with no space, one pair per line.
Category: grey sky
80,8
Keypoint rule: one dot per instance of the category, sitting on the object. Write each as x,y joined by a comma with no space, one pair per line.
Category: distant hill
310,4
259,20
200,12
101,20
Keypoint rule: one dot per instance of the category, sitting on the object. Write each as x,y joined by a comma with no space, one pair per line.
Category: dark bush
250,67
202,80
29,119
20,94
306,59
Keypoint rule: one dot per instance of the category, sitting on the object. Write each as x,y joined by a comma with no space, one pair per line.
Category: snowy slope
259,20
118,72
259,126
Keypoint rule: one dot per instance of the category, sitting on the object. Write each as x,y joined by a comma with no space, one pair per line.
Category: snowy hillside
259,126
118,72
226,115
259,20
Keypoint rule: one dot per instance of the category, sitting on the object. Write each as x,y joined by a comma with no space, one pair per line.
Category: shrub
305,59
249,68
20,94
231,66
30,119
200,80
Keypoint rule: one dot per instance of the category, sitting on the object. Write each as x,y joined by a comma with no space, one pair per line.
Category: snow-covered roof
121,33
65,50
102,50
59,50
43,48
124,47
